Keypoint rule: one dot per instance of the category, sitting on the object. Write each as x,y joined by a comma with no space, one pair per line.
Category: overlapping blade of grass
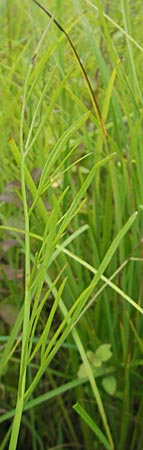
107,281
116,25
126,183
68,323
127,26
57,150
13,340
68,317
123,179
29,181
53,220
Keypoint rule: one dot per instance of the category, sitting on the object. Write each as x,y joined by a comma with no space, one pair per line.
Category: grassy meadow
71,225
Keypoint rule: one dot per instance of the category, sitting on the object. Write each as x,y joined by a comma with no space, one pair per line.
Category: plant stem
22,377
26,317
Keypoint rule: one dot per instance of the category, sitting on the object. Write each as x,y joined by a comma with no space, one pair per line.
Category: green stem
24,350
22,377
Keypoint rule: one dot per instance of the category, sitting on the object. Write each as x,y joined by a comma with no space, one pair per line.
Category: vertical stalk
26,317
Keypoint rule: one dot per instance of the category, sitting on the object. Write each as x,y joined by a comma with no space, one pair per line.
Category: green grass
71,226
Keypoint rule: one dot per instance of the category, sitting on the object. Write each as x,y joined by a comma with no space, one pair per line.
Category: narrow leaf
92,425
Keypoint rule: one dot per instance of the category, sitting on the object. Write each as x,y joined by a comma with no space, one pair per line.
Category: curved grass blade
90,89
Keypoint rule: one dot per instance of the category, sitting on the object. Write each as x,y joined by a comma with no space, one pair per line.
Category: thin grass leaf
59,147
116,25
90,422
28,179
11,346
82,191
